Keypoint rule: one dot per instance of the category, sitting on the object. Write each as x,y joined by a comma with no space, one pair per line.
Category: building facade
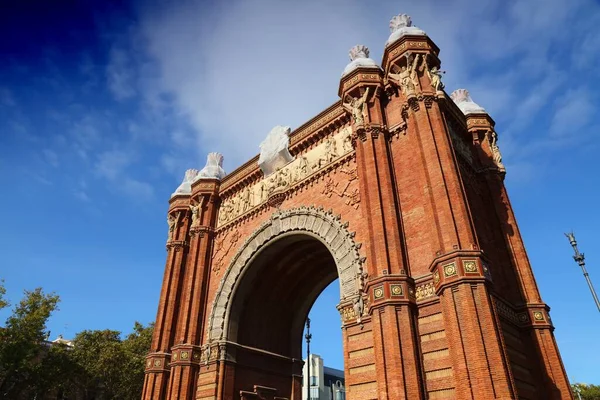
325,383
397,189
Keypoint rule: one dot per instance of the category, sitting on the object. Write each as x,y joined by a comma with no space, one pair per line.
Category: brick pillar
429,183
157,361
186,353
550,366
392,310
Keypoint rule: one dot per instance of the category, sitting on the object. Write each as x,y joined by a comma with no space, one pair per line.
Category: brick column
550,365
157,361
186,353
392,311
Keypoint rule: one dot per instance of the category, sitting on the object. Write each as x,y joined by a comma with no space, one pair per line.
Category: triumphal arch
397,190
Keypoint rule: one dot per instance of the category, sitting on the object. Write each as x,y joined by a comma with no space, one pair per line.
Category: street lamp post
580,259
308,336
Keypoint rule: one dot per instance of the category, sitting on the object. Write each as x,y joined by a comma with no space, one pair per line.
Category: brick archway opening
268,310
272,300
259,312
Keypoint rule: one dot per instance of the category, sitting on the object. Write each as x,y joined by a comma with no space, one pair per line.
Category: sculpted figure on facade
247,199
195,208
213,168
435,76
496,155
358,107
359,308
407,79
274,153
331,149
171,220
226,211
303,168
347,142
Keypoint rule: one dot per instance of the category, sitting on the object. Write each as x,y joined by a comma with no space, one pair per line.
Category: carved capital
201,231
176,245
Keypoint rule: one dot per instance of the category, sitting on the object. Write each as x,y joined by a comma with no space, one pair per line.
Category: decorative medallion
522,317
157,363
195,356
149,363
174,357
450,270
184,355
396,290
378,292
538,316
470,266
436,277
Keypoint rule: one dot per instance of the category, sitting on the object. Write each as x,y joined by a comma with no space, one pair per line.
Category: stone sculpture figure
435,76
407,79
213,168
186,185
171,220
359,308
264,189
496,155
303,168
331,149
247,199
347,142
274,153
357,107
195,208
226,211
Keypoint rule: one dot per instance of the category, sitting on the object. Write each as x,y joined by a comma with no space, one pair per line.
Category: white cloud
236,71
51,157
120,74
573,112
111,164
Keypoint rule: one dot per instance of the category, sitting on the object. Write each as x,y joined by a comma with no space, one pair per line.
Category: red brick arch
322,225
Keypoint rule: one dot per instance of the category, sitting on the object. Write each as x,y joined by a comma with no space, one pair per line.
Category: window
314,393
314,381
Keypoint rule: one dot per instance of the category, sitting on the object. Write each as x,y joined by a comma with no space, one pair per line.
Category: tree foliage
99,364
587,392
24,360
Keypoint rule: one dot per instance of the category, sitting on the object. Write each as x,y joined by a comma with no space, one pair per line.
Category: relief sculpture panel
301,168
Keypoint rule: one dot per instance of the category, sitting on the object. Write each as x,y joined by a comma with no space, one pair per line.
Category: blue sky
103,105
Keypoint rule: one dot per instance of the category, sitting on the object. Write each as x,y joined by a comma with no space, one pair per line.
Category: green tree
587,392
107,366
3,302
136,346
23,344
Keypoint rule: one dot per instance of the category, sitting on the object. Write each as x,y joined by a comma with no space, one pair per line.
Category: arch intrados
320,225
261,263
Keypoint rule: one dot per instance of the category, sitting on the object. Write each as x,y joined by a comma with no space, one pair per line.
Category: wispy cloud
120,74
51,157
235,72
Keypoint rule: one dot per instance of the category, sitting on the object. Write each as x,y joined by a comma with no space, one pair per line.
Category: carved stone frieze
509,313
318,223
425,291
305,165
222,247
347,188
